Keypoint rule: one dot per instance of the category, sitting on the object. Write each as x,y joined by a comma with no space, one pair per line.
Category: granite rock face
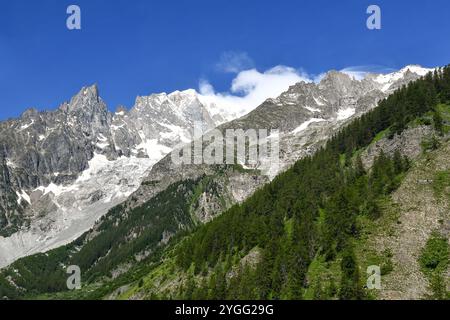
61,170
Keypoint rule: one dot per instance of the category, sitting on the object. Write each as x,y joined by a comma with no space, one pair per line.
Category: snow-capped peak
417,69
386,80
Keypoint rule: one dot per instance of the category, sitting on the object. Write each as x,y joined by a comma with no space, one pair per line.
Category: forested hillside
122,238
270,246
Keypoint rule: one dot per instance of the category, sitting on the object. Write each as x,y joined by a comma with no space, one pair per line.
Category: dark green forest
111,246
309,210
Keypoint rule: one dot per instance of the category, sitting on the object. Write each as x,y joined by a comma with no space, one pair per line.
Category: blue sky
138,47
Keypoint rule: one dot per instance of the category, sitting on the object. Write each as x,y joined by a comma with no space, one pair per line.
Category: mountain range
63,170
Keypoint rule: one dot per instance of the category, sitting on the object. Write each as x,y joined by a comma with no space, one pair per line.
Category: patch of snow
417,70
114,127
10,164
51,188
176,132
306,124
345,113
96,165
154,150
102,138
25,126
102,145
388,79
318,102
23,196
312,109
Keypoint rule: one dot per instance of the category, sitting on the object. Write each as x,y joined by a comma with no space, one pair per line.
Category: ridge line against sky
142,47
250,87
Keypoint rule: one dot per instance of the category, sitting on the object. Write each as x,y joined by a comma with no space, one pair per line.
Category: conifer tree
438,122
350,288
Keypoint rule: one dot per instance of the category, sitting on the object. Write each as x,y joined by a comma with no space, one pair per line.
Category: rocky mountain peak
334,75
336,80
30,113
121,110
178,99
189,93
87,98
392,81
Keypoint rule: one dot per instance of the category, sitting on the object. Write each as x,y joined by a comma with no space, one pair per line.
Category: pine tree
434,143
438,122
318,293
189,288
406,163
277,278
438,287
350,288
247,284
201,292
332,289
359,166
220,288
398,162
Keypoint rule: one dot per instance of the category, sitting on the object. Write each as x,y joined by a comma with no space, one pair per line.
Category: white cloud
250,88
319,77
359,72
234,62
